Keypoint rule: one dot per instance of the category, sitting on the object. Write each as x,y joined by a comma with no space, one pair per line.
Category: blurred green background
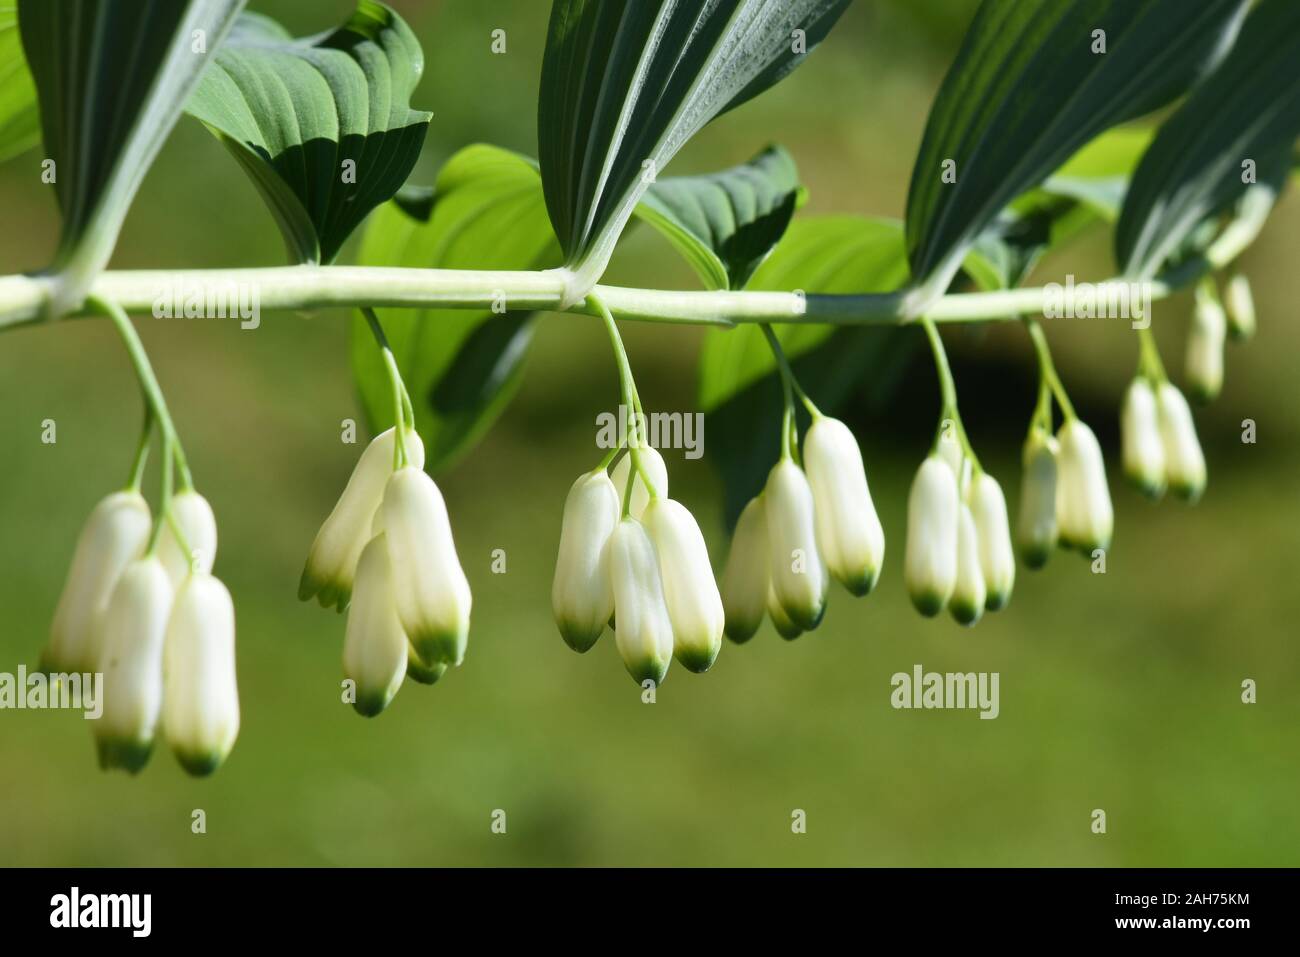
1118,691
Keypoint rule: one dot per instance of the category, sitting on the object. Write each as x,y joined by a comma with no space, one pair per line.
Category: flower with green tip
799,576
1205,342
200,716
432,594
746,582
1184,460
930,563
1239,302
418,671
193,514
374,644
131,659
114,535
690,591
849,534
581,599
1084,512
653,463
1143,447
786,628
968,594
332,561
1036,529
988,507
643,630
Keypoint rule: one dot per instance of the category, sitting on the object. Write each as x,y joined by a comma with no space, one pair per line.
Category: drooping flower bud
193,514
333,558
429,585
1083,509
653,463
1036,530
1240,303
131,659
786,628
969,594
642,631
114,535
374,646
799,576
581,599
1205,341
747,580
200,718
690,591
417,670
988,507
930,565
1184,461
1144,452
849,535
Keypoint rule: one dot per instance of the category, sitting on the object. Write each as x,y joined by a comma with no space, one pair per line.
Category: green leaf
1248,110
726,223
625,85
323,125
112,79
461,367
20,120
1027,91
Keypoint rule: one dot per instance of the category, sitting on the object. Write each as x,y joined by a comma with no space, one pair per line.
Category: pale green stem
141,451
1047,369
632,402
401,401
948,394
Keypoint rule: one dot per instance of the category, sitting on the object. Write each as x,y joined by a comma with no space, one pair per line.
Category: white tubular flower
333,558
431,591
1184,461
581,599
747,580
988,507
1144,452
1036,531
643,630
799,576
849,534
193,514
969,594
1240,303
653,463
1083,509
1205,341
930,565
690,591
417,670
200,717
786,628
374,646
131,659
114,535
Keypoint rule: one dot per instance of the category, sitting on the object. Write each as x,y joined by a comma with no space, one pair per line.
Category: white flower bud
930,565
1240,303
1184,461
799,576
200,718
193,514
1036,531
653,463
114,535
374,646
581,599
786,628
1083,509
988,507
643,631
849,534
417,670
747,580
333,558
969,594
431,591
131,659
690,591
1144,452
1205,341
